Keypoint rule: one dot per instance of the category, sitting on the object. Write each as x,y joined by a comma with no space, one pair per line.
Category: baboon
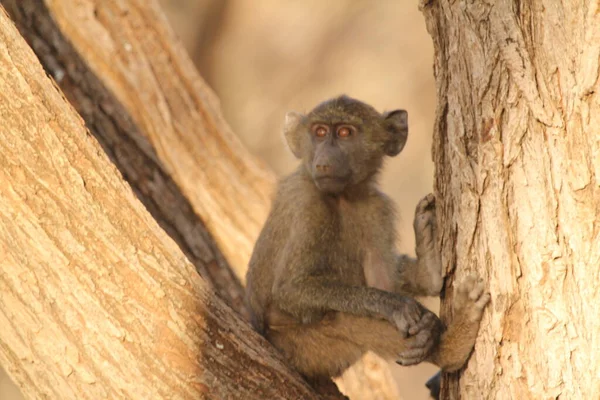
325,283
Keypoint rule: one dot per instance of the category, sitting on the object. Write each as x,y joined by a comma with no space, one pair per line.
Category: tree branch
128,148
122,68
95,300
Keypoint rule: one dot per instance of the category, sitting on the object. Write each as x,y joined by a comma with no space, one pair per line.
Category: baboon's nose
323,168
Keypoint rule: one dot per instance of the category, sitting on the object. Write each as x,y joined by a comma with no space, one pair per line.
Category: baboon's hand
423,335
424,224
425,236
470,298
407,316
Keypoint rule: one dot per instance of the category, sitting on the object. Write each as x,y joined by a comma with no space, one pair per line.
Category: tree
122,69
96,300
518,177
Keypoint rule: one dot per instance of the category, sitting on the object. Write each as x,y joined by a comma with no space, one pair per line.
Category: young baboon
325,283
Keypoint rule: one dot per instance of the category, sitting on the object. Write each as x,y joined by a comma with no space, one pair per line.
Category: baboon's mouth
331,184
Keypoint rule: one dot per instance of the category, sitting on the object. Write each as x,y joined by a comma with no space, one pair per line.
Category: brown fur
325,283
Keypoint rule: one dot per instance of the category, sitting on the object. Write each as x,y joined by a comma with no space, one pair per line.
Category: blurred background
266,57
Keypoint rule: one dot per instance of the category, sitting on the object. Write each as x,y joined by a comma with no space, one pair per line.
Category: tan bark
128,44
96,301
110,122
192,143
370,379
518,174
125,127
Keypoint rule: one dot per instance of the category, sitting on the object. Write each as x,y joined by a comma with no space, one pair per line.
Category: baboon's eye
320,130
344,131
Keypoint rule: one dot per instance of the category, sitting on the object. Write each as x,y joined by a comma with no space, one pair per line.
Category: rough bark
178,116
96,301
518,177
369,379
130,47
111,123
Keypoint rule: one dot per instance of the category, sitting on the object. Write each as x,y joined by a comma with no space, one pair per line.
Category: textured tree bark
177,118
122,139
518,177
369,379
130,47
96,301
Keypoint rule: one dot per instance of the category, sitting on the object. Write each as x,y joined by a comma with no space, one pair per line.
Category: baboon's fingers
426,322
402,327
466,285
477,290
483,301
426,203
418,347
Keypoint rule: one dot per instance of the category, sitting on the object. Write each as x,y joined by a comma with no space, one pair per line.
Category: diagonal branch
95,300
127,75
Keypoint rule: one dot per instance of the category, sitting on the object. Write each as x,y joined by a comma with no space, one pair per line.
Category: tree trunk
518,177
95,300
108,55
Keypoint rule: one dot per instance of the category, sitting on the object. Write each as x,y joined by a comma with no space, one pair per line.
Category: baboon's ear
395,124
292,134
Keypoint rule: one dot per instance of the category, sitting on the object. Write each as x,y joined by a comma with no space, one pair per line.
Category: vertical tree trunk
517,156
